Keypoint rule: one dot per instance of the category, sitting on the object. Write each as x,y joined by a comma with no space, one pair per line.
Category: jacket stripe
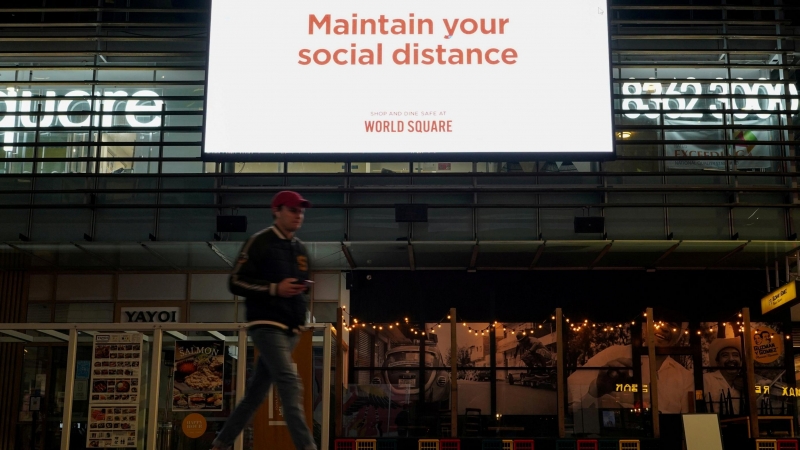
235,278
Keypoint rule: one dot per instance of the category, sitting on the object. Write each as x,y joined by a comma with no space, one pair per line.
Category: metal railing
15,332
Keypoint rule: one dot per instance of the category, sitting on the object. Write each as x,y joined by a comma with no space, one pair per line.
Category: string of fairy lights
416,329
575,326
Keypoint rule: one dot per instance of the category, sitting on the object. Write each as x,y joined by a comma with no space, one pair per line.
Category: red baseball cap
291,199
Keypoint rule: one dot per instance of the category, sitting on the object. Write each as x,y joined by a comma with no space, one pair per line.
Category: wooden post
338,383
560,375
651,356
453,375
750,382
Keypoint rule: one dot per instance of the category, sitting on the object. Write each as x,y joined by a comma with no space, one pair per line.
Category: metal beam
412,263
731,253
600,256
474,259
220,254
348,256
98,258
538,255
17,335
52,263
55,334
666,253
218,335
157,255
177,335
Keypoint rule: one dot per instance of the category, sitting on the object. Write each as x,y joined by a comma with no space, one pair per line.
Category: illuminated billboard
411,79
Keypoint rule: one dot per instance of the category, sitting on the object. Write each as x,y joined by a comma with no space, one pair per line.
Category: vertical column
750,382
72,350
560,375
241,378
12,310
338,383
152,400
327,355
651,356
453,375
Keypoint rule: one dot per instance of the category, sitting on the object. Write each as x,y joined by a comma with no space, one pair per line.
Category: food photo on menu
198,377
113,427
116,369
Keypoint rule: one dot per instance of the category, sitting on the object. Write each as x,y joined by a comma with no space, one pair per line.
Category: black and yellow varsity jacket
267,258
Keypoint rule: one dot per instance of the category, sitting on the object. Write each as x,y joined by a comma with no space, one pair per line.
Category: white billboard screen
315,77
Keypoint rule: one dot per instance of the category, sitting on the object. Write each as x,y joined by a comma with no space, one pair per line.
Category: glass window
212,312
152,287
442,167
84,287
324,312
182,167
84,312
41,287
39,313
315,167
258,167
210,287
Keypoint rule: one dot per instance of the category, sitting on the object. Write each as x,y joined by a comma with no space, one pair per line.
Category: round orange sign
767,345
194,425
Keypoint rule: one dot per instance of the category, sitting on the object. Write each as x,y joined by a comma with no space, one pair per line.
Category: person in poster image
598,388
272,274
725,353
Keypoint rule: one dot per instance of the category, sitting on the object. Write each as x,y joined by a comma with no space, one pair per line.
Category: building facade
107,201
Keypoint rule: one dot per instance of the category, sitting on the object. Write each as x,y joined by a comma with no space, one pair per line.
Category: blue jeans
275,364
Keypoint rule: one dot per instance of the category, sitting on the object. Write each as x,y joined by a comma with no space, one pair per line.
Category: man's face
730,359
765,337
289,218
667,335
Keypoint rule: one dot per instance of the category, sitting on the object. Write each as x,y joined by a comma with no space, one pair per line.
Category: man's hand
289,287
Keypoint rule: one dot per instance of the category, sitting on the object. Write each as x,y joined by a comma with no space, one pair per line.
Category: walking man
272,274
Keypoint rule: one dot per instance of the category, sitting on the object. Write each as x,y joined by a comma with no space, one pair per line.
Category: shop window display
508,373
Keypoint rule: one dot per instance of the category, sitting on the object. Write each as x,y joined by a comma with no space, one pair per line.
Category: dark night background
522,296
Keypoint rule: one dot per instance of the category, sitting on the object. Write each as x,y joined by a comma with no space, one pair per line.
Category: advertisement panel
751,142
198,378
116,373
413,77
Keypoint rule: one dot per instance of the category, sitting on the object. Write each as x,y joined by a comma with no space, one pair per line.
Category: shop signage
150,315
83,370
779,297
199,371
430,63
653,97
767,345
81,390
140,104
194,425
114,397
630,388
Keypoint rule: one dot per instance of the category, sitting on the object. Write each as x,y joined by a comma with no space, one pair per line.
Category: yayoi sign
654,96
76,109
150,315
